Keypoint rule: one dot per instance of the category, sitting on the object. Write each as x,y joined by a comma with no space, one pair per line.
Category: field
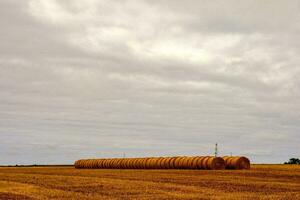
261,182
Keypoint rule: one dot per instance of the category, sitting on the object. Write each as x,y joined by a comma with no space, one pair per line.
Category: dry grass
261,182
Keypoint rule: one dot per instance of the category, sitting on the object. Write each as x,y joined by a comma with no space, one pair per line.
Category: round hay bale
162,164
125,163
135,163
148,163
166,163
177,162
198,162
105,163
92,163
185,162
76,164
134,160
189,162
156,163
193,162
113,163
88,163
152,163
215,163
99,163
204,162
122,163
172,162
132,166
237,162
143,163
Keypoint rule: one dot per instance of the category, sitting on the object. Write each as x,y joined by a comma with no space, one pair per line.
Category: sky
135,78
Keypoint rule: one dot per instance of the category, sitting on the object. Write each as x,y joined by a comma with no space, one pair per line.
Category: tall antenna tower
216,150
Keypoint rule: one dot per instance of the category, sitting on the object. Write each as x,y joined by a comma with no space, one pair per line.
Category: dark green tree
294,161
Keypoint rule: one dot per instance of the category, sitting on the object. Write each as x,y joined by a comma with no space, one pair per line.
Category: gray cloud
148,78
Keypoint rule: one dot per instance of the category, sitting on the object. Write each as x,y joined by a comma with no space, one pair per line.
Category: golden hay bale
106,161
197,162
201,162
99,164
156,163
77,164
134,163
92,163
205,162
88,163
144,163
121,164
152,163
169,163
165,163
124,165
128,163
109,165
160,164
173,162
112,164
176,163
147,163
141,163
132,160
185,163
116,163
193,163
236,162
189,162
215,163
132,166
81,163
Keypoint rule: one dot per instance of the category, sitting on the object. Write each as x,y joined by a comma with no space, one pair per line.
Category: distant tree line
294,161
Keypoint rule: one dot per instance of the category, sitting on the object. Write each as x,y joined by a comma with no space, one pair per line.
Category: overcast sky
96,78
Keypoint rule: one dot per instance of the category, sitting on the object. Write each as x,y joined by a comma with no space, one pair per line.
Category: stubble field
261,182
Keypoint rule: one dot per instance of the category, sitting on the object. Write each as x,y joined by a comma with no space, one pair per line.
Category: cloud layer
146,78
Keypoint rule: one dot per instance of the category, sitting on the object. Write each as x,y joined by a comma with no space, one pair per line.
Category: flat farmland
261,182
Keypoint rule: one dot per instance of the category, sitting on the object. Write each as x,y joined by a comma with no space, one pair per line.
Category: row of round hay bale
236,162
180,162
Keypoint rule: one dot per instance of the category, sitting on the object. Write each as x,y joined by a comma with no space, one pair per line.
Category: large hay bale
236,162
216,163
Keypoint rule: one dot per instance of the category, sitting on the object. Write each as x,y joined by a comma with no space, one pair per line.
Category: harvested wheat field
261,182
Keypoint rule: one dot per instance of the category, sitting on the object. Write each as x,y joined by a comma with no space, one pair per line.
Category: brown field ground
261,182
